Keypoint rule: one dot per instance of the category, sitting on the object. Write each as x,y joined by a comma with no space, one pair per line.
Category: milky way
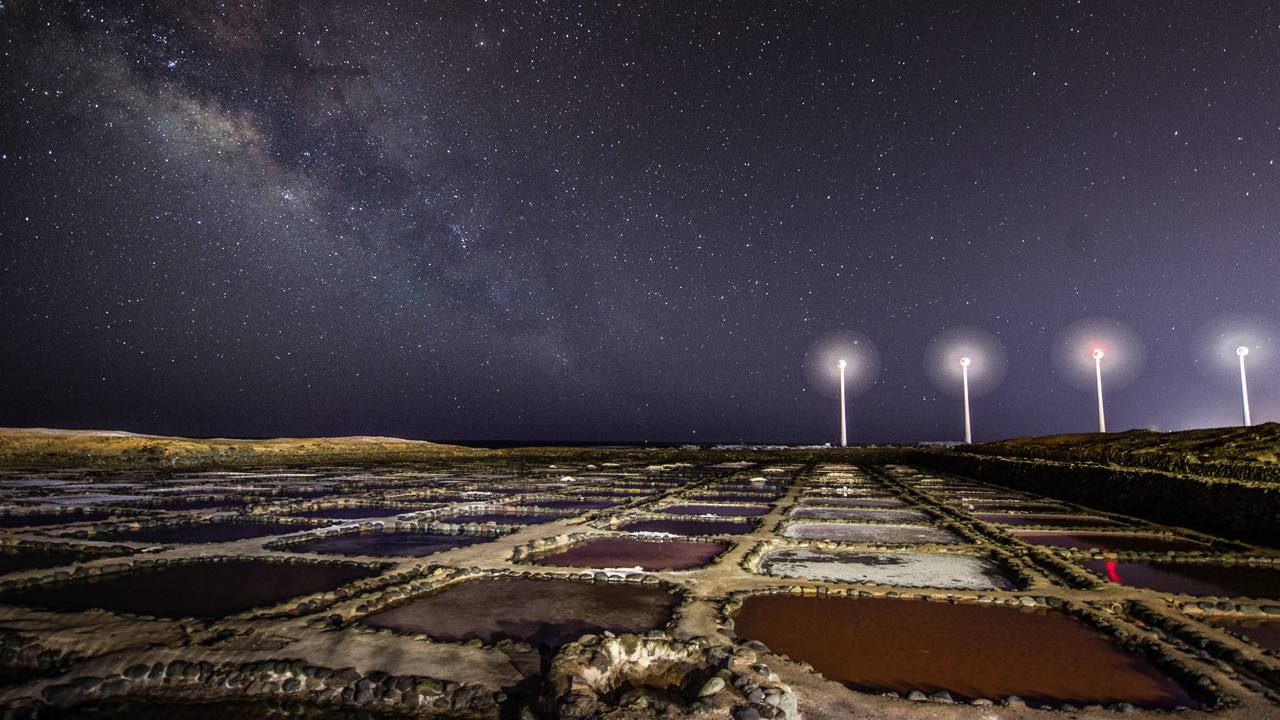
621,221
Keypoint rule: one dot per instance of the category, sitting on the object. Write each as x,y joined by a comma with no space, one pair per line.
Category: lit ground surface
459,590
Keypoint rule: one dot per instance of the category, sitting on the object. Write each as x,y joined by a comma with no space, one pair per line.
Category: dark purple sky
622,221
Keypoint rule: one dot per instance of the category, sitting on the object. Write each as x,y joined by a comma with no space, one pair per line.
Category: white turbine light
965,361
1083,346
1097,368
842,365
1242,351
844,434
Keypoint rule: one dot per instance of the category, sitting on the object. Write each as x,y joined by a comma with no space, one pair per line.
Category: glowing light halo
943,360
1080,345
822,363
1216,353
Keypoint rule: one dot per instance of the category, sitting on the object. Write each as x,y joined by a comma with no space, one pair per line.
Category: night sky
624,221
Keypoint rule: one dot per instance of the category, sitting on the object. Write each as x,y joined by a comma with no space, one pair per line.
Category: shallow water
570,504
690,527
1046,519
1193,578
35,519
212,532
352,513
971,651
388,544
628,552
1265,633
866,501
500,518
950,572
1135,542
200,589
869,533
723,510
877,514
14,559
536,611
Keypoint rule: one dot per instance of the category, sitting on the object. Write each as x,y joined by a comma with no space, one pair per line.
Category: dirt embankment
1239,453
42,448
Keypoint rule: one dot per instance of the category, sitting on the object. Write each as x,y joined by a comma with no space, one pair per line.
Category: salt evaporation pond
569,504
352,512
536,611
388,544
210,532
1046,519
499,518
871,533
852,502
190,505
723,510
1265,633
971,651
690,527
203,589
948,572
822,513
613,552
1192,578
14,559
49,518
1136,542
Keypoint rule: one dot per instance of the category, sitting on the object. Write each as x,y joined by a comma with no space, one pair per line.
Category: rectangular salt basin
612,552
690,527
1137,542
1192,578
724,510
1046,519
537,611
865,501
203,589
969,650
13,520
354,512
872,533
13,559
500,518
823,513
388,544
210,532
932,570
1264,633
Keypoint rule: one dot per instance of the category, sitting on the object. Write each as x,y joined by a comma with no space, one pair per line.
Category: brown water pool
1265,633
388,544
1193,578
198,589
537,611
211,532
1136,542
971,651
1046,519
723,510
690,527
628,552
